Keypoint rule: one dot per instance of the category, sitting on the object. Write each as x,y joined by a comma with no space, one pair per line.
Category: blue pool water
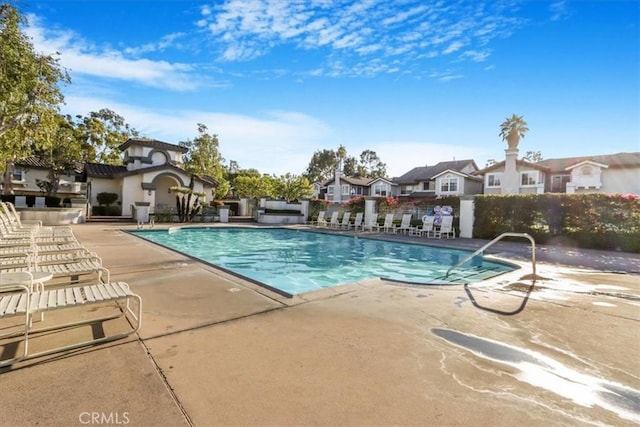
295,261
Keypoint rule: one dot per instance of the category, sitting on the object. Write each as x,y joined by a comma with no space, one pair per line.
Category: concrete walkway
216,350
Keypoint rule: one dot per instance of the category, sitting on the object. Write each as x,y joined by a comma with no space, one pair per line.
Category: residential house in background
345,188
451,178
150,169
612,173
29,171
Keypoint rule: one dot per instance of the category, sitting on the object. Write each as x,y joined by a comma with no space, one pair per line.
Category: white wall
101,185
621,180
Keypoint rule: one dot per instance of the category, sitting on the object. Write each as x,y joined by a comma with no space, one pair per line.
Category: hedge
594,221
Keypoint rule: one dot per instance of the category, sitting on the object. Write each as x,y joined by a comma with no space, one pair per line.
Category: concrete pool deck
217,350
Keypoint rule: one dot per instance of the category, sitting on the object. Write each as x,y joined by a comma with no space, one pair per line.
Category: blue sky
416,81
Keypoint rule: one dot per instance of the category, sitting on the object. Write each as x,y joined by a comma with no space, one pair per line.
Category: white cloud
278,142
82,58
246,29
475,55
558,10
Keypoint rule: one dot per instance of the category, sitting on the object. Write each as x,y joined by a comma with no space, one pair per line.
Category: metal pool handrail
500,237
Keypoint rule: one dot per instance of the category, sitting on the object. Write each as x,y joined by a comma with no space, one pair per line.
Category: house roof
154,143
426,173
500,165
462,174
350,180
618,160
36,162
100,170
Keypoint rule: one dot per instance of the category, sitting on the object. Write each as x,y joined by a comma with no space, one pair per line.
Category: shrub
106,198
596,221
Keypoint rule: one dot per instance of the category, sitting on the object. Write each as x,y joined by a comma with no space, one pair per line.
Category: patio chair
333,222
445,229
10,212
10,232
357,221
344,224
371,224
64,272
20,201
19,297
405,225
426,229
320,219
387,227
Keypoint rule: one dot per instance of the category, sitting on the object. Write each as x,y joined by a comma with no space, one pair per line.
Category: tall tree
203,158
322,165
372,165
290,187
512,130
253,186
533,156
350,166
60,154
29,91
101,133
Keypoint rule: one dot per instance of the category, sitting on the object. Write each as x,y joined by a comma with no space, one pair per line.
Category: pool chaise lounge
19,296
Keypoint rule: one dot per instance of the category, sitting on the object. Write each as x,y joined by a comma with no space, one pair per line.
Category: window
18,175
381,189
493,179
345,190
531,178
356,191
429,186
449,184
586,171
330,189
559,183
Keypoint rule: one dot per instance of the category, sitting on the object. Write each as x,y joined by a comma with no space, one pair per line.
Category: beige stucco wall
132,192
32,175
101,185
621,180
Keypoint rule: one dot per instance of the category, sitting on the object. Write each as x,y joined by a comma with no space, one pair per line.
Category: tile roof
350,180
36,162
99,170
499,165
618,160
425,173
146,142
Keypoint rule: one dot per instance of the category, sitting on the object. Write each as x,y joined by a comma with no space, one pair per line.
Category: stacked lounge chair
40,270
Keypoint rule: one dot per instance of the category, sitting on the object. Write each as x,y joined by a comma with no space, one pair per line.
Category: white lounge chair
333,222
405,225
387,227
19,297
20,201
357,221
371,224
426,230
344,224
445,229
319,220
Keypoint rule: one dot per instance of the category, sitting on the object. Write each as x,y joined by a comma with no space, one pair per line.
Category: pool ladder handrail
500,237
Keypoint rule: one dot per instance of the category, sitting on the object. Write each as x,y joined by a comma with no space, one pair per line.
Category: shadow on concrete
519,309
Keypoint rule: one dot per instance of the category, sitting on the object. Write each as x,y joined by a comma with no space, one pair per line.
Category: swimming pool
296,261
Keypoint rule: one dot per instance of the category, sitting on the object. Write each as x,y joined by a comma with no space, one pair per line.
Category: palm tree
512,129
